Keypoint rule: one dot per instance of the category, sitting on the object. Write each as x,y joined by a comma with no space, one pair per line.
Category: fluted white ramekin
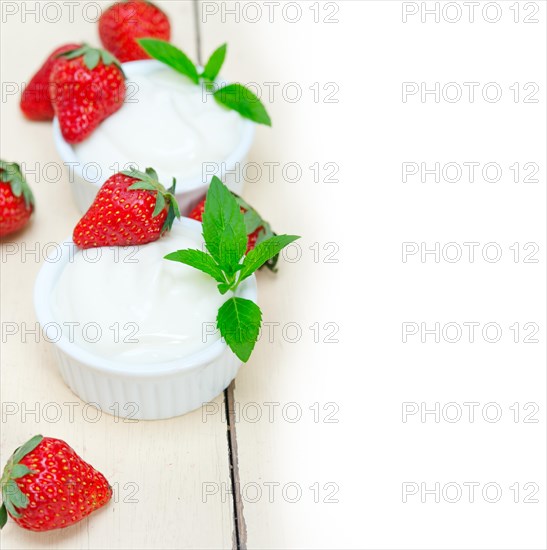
189,191
143,391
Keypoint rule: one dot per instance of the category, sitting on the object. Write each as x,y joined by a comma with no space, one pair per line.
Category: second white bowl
189,191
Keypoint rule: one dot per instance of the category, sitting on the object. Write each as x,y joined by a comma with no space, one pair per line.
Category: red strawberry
258,230
131,208
35,101
16,199
123,22
46,485
87,86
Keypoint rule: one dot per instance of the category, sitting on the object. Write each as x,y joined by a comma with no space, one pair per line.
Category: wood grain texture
278,456
158,469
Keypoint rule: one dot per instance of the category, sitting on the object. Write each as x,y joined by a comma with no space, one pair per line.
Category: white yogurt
148,309
167,123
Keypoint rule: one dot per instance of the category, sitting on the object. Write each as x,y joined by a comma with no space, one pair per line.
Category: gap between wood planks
240,529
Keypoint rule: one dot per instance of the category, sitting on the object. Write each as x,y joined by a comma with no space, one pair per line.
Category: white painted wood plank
282,378
158,469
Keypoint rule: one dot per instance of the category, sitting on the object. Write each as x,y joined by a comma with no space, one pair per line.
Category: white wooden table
173,479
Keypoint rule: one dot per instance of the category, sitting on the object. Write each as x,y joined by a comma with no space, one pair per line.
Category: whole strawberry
35,100
16,199
46,485
258,229
123,22
87,86
131,208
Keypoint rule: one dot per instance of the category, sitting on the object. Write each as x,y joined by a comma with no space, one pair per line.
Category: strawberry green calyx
12,496
10,172
92,56
148,180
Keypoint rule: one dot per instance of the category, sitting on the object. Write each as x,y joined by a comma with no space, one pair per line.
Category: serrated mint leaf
199,260
213,66
239,98
263,252
224,228
239,323
170,55
224,287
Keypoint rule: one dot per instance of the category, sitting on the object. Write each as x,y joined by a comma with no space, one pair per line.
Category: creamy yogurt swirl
147,309
166,122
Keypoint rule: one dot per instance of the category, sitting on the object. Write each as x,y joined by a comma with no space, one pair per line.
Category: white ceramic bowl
143,391
189,191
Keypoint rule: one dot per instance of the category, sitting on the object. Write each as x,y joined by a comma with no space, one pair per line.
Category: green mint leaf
239,98
3,516
263,252
20,470
224,228
224,287
213,66
239,323
25,449
200,260
170,55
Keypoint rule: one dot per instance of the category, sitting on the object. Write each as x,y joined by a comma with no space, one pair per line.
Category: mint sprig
170,55
213,66
225,234
246,103
233,96
239,322
224,229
